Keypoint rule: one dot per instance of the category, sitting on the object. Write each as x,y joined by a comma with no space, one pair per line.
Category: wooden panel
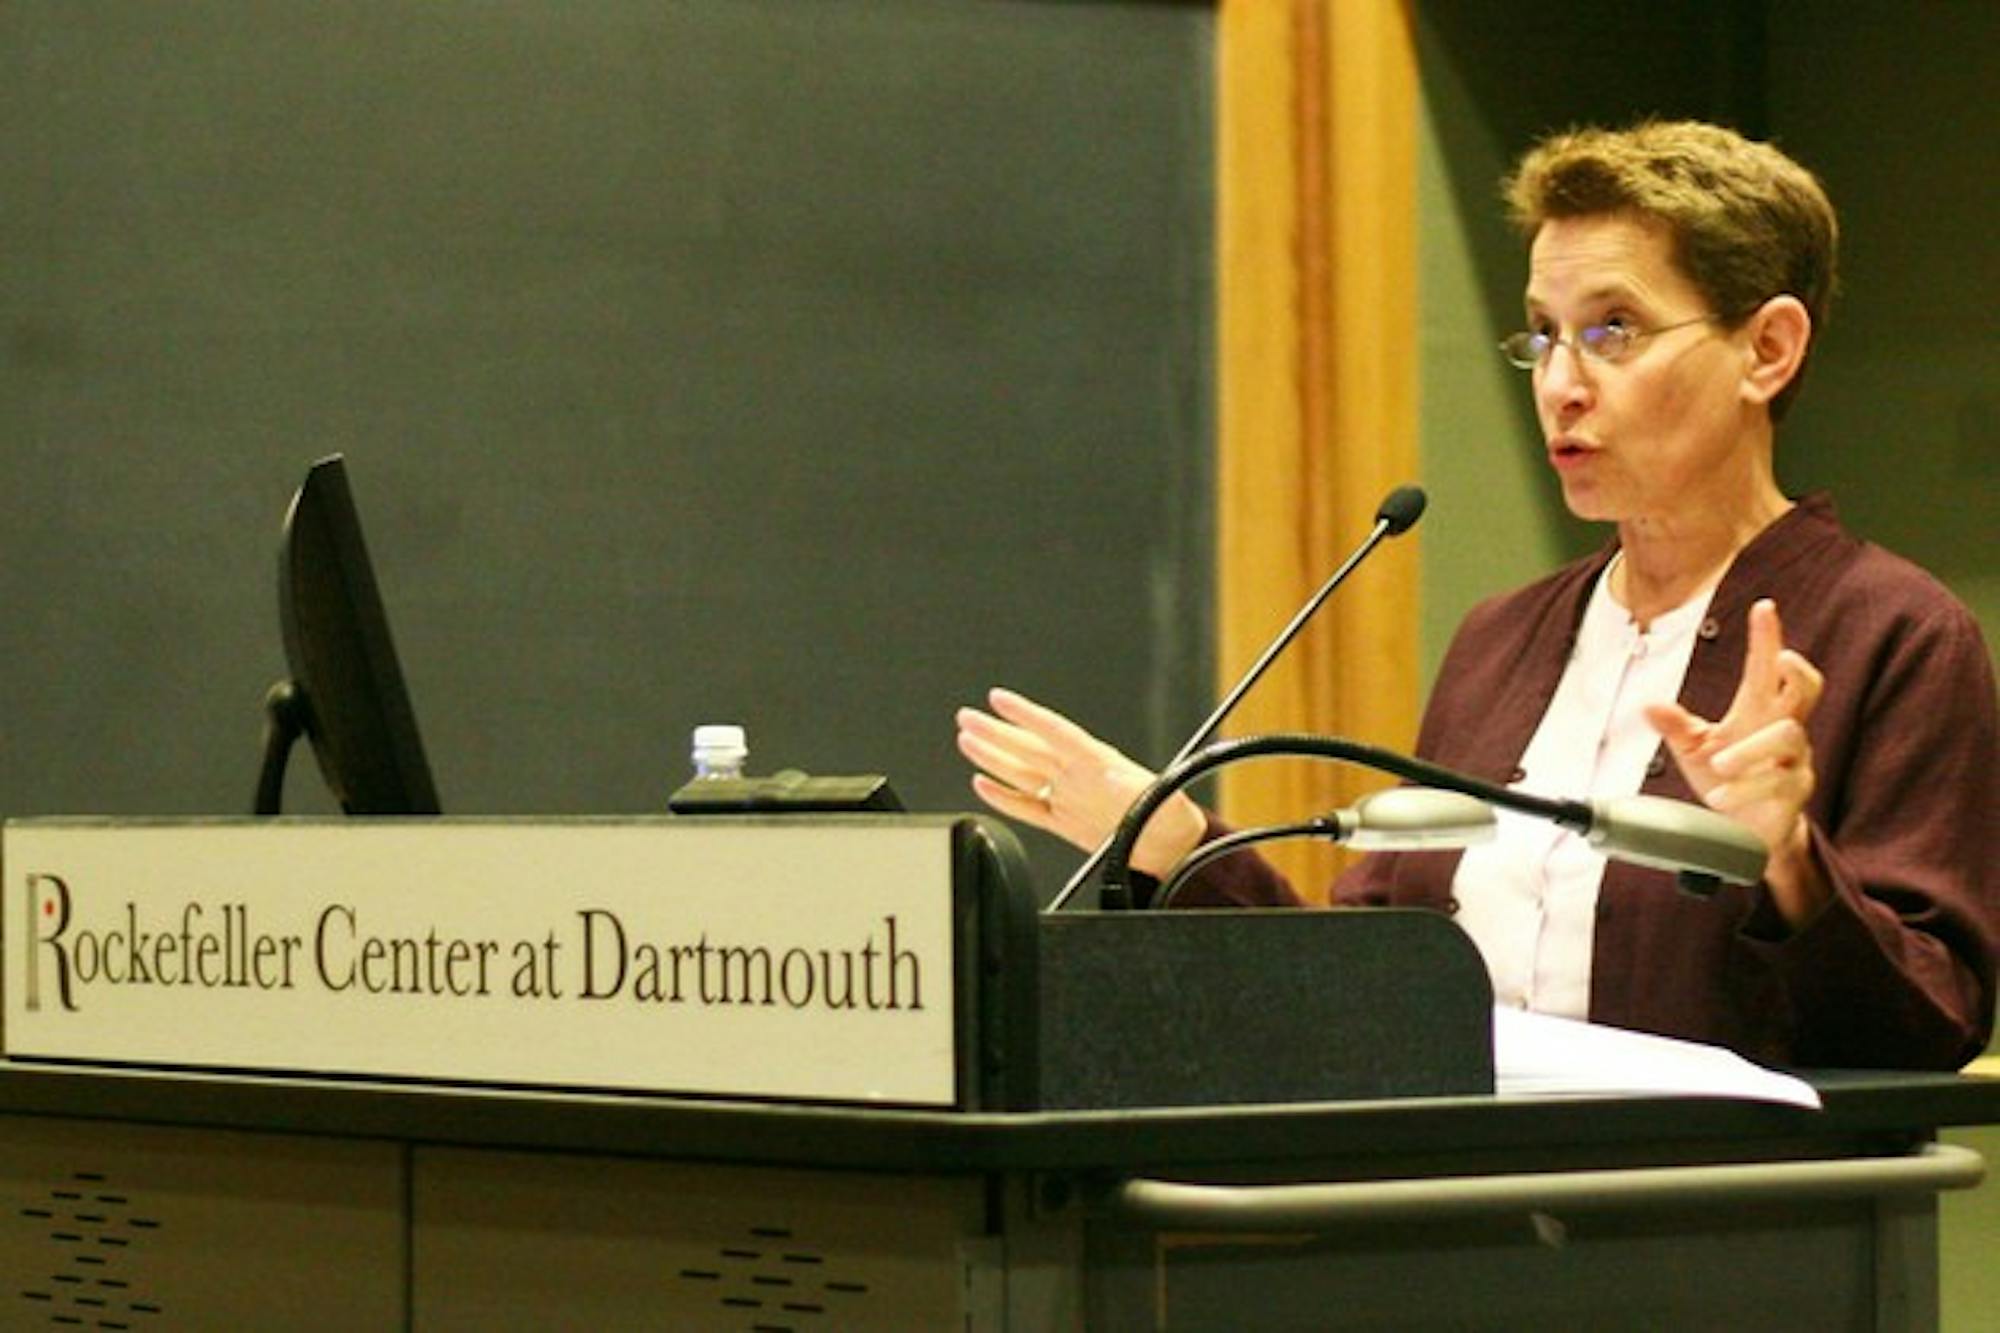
1316,171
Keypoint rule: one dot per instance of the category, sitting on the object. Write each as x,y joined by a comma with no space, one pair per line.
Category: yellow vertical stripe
1316,142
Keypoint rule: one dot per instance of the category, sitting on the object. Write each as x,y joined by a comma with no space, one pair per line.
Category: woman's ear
1777,336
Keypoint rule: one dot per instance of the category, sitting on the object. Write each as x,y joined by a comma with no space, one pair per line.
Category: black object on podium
1234,1007
788,791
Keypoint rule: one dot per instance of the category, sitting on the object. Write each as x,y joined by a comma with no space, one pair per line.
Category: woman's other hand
1040,768
1755,764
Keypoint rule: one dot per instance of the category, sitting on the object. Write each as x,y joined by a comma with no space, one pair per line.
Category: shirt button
1710,628
1517,775
1657,764
1451,906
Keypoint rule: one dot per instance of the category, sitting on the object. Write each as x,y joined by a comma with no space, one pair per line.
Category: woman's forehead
1602,257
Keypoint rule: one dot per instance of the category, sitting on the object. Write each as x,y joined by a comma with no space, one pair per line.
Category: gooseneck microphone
1396,515
1396,819
1699,845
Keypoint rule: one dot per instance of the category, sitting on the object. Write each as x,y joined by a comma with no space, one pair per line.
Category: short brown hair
1748,223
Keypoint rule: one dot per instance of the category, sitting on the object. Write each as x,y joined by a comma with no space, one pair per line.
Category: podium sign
737,957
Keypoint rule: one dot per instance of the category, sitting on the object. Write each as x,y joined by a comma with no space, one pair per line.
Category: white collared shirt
1529,897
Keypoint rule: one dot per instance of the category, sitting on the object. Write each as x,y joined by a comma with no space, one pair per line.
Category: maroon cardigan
1898,972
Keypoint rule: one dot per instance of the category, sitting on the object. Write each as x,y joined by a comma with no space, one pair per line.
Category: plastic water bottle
719,751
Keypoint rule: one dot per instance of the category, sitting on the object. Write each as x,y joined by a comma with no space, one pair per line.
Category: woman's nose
1563,381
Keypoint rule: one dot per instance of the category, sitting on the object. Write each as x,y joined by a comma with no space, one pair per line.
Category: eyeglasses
1604,343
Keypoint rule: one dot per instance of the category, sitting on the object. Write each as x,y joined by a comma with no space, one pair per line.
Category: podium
1195,1121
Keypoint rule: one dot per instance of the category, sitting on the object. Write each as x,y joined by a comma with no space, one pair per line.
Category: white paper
1538,1055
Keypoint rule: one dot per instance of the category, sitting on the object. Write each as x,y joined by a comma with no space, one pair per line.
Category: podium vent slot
90,1233
793,1288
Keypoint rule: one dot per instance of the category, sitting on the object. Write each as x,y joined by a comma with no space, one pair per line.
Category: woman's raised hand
1755,763
1038,767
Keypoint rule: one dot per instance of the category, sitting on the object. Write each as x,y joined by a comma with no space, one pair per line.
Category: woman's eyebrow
1610,293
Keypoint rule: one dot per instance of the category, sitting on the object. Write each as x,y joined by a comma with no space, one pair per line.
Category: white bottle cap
721,738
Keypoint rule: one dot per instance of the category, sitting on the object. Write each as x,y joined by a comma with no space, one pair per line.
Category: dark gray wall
1894,107
805,363
1495,78
1887,102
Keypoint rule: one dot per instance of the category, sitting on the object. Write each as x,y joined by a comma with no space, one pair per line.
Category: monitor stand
284,723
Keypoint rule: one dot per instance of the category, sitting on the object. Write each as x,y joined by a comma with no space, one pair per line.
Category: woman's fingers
1682,730
1800,684
1001,762
1010,802
1759,687
1781,744
1055,730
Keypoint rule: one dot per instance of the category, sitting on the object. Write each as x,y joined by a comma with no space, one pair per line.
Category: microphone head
1407,819
1402,509
1678,836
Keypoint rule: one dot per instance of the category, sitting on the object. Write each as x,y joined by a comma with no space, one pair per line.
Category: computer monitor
346,690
